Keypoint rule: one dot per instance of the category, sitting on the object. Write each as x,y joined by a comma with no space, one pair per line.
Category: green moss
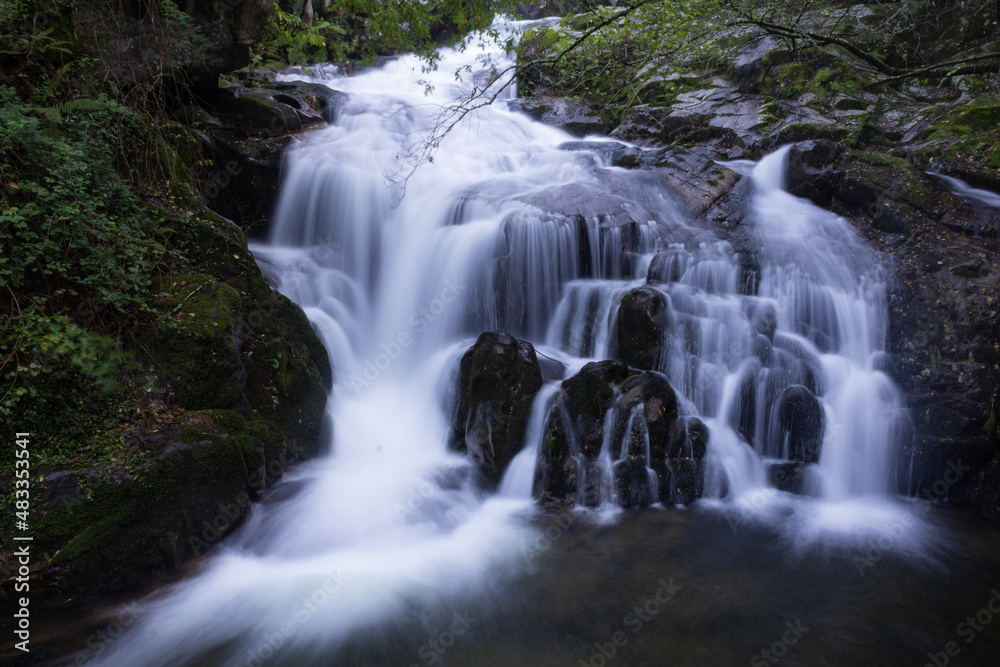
132,527
194,342
284,383
889,173
971,270
794,132
790,80
822,77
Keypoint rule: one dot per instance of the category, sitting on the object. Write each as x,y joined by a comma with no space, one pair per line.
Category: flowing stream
372,554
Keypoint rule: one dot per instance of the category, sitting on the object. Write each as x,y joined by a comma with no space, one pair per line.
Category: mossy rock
276,449
193,493
889,191
284,387
196,343
796,132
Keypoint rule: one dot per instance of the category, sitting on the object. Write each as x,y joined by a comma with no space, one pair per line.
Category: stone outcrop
498,379
613,431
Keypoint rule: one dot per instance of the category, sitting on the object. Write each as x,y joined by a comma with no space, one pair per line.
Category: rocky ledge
874,154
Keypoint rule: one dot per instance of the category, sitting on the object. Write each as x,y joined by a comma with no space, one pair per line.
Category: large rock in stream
498,379
609,412
643,319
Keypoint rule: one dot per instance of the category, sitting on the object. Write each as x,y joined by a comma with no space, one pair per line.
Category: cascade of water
504,230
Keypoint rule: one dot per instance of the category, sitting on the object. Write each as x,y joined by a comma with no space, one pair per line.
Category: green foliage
53,362
71,229
186,45
361,30
622,52
295,43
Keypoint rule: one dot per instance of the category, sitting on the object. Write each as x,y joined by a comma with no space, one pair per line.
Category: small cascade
776,352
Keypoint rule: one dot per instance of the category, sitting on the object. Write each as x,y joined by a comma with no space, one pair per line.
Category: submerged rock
793,477
498,379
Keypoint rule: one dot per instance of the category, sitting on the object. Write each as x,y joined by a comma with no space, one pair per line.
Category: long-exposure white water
503,230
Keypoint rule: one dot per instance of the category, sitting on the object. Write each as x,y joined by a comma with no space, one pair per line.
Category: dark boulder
642,321
686,482
689,439
683,480
588,396
641,409
793,477
557,471
632,483
801,417
659,401
668,266
498,379
813,171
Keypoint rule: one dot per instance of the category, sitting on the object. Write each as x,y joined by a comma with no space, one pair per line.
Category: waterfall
503,230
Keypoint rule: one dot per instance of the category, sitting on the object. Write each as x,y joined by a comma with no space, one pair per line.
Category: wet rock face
219,33
246,132
498,379
573,116
632,483
557,471
652,456
682,478
801,417
656,397
944,327
642,321
812,170
588,396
